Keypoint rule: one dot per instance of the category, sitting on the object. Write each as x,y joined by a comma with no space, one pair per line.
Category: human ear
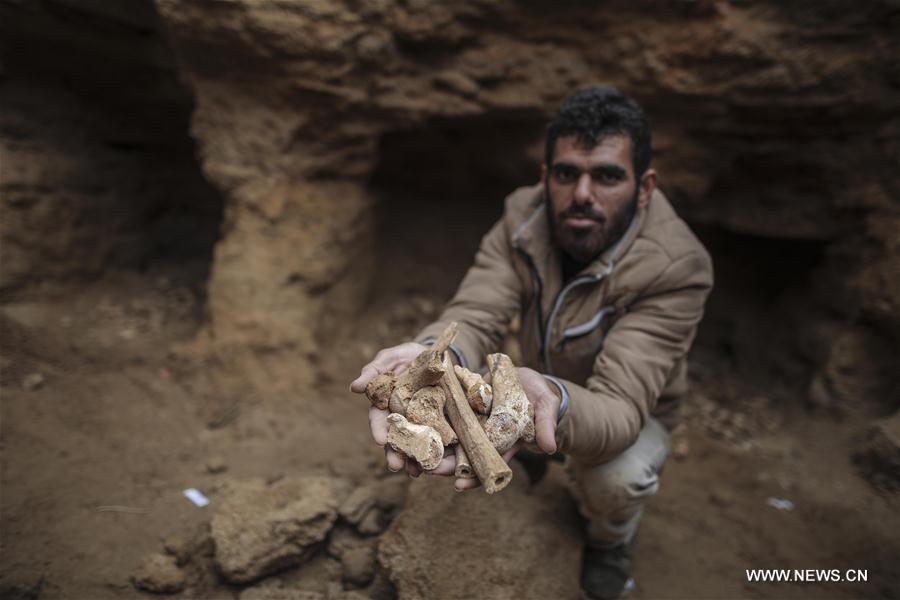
648,185
544,173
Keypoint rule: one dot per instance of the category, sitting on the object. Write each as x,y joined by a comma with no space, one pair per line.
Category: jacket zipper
557,303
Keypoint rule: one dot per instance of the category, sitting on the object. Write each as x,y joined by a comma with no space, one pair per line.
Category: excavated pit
137,187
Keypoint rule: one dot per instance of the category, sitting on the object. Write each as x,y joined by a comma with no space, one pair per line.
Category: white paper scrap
196,496
780,503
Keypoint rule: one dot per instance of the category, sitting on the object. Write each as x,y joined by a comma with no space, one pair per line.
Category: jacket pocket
586,339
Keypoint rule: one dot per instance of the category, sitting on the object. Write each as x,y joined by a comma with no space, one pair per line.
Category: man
610,286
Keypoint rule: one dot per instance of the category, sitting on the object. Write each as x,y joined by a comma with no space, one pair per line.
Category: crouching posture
609,285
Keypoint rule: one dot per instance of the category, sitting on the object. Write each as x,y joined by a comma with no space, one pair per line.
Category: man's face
591,194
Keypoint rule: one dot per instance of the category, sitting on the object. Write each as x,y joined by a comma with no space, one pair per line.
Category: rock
440,527
350,595
216,464
373,523
260,529
180,548
358,503
184,546
681,448
275,589
387,494
879,459
33,381
359,565
344,538
159,573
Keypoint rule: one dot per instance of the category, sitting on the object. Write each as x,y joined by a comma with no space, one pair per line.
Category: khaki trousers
612,495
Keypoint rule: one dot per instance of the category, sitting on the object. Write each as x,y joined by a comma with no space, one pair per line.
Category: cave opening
761,311
101,175
438,189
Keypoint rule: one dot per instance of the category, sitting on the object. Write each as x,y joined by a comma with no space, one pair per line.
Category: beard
584,245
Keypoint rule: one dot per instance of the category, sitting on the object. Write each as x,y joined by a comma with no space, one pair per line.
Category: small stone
216,464
878,460
681,447
359,565
357,504
372,524
179,547
33,381
274,589
342,539
159,574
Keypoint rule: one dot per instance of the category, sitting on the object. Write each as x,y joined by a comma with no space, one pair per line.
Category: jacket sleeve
605,416
485,303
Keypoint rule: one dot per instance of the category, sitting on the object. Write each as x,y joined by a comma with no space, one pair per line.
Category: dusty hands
546,411
389,360
396,359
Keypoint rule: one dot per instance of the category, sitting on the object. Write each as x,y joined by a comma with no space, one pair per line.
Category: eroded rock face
770,120
511,545
98,167
259,529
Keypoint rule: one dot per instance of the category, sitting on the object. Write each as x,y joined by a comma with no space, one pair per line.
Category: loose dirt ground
133,407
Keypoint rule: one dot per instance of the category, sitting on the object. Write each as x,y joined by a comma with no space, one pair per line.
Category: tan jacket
616,335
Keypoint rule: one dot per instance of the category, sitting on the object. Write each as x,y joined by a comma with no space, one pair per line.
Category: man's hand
390,360
396,359
546,412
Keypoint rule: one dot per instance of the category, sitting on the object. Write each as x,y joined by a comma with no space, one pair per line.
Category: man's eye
606,177
564,175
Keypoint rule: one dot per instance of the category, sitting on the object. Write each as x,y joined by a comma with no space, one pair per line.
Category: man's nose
583,189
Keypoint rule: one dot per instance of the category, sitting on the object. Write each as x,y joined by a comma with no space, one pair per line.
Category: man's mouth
581,222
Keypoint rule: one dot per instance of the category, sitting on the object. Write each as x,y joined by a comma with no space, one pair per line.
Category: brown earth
213,214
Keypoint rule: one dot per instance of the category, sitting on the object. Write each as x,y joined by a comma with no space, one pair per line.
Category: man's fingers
545,427
395,460
447,466
358,386
378,425
461,485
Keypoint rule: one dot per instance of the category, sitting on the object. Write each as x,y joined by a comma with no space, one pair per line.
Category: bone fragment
491,469
463,466
427,408
419,442
512,416
380,388
426,369
478,392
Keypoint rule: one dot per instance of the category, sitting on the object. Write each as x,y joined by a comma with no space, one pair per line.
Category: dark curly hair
598,111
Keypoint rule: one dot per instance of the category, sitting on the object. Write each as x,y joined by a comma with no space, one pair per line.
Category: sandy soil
129,410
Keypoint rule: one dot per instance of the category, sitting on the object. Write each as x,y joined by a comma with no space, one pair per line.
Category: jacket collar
533,237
